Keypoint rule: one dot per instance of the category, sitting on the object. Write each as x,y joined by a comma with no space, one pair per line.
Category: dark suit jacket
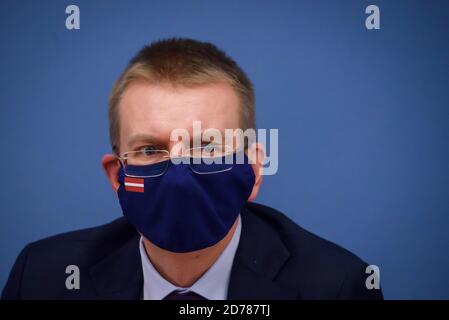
275,259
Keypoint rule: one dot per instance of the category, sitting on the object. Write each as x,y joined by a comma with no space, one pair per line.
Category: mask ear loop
120,161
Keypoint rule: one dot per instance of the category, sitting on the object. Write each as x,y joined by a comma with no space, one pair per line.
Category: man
190,231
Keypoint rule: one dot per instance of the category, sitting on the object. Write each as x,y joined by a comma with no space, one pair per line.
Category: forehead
157,109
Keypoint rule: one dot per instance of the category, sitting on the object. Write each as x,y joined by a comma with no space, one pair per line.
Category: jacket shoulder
42,264
318,267
114,232
299,240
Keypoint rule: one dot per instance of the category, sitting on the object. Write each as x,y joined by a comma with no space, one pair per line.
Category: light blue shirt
213,284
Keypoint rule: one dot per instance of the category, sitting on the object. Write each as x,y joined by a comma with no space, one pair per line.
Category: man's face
149,112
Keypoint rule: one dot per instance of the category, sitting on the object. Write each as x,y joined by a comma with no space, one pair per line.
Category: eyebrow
140,137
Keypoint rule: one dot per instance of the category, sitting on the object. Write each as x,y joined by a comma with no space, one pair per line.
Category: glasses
209,159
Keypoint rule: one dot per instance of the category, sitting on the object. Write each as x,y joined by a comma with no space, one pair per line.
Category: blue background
362,115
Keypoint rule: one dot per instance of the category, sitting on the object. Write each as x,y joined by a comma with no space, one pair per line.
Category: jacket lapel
259,258
119,275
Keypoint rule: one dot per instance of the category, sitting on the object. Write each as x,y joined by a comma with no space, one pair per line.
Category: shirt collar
213,284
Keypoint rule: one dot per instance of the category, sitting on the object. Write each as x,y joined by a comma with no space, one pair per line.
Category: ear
256,156
111,166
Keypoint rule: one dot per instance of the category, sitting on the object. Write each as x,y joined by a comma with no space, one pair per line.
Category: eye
207,146
212,148
148,150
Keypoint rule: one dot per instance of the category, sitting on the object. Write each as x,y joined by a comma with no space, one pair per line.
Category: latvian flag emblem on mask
134,184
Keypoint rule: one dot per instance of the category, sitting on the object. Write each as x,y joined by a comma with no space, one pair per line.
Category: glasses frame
125,155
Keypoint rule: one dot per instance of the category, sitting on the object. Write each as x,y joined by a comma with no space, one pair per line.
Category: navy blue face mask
184,209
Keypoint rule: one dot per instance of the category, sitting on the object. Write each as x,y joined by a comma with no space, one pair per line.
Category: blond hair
184,62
